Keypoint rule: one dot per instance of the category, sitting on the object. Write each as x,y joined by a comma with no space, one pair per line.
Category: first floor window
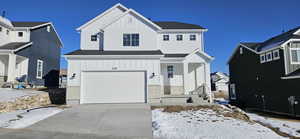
170,70
192,37
276,54
179,37
232,91
131,39
262,58
39,71
166,37
94,38
269,56
295,55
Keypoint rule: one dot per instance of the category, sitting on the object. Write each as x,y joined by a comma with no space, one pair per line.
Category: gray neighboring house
29,52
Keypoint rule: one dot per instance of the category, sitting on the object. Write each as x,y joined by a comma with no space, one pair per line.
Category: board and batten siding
148,65
291,67
129,24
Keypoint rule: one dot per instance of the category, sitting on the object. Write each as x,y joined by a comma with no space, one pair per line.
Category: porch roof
13,45
175,55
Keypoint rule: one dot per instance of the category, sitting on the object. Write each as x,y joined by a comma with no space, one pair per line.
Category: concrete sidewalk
91,121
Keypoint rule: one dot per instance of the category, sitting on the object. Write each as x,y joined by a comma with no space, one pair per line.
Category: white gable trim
297,32
210,58
119,5
24,46
50,23
135,13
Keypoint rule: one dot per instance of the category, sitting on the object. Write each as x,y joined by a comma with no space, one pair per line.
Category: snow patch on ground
22,118
284,126
205,124
12,94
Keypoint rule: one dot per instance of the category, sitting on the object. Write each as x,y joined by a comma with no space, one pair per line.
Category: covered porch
12,67
186,75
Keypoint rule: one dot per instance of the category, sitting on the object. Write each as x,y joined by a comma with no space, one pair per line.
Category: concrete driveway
89,122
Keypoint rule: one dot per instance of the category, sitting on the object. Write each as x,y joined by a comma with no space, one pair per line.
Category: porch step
183,99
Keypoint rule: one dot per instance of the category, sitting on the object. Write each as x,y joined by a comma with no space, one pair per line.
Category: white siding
149,65
94,27
4,38
113,34
13,36
184,46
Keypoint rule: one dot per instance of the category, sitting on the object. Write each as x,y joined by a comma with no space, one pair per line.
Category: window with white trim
241,50
295,55
39,71
232,92
131,39
48,28
93,38
269,56
262,58
179,37
170,70
192,37
20,34
276,55
166,37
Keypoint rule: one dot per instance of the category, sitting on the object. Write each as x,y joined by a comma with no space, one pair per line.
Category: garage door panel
113,87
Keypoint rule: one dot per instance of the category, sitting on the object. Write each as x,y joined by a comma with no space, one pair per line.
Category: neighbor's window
39,71
170,70
166,37
232,91
269,56
276,54
94,38
262,58
295,55
20,34
131,39
241,50
179,37
48,28
192,37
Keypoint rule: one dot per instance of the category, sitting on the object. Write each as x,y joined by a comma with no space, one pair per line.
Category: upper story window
48,28
295,55
166,37
192,37
262,58
131,39
170,70
241,50
20,34
179,37
94,38
39,71
276,55
269,56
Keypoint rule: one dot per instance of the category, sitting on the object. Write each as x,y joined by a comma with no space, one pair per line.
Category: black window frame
166,37
193,37
170,71
20,34
179,37
132,39
94,38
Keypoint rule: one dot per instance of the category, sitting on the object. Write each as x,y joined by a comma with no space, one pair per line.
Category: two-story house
29,52
125,57
266,75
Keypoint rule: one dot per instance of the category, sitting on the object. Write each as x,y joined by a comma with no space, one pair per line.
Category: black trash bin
57,96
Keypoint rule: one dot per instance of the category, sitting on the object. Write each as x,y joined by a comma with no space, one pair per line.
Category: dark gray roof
274,41
13,46
27,24
176,25
97,52
175,55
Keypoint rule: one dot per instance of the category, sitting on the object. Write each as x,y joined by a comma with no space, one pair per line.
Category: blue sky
228,21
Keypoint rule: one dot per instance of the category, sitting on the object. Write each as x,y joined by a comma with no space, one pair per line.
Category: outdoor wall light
73,76
152,75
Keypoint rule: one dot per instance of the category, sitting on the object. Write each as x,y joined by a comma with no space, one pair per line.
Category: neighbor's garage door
113,87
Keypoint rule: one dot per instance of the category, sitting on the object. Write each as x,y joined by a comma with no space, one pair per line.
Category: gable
199,57
105,17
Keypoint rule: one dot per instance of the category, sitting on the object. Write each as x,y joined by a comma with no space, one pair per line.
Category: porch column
207,80
185,77
11,72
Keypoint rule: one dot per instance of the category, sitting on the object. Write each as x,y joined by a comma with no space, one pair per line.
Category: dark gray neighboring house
32,54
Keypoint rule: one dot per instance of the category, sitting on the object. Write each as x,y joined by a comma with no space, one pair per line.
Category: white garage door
113,87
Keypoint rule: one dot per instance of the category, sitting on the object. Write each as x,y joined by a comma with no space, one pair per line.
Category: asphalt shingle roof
98,52
13,45
27,24
175,55
176,25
